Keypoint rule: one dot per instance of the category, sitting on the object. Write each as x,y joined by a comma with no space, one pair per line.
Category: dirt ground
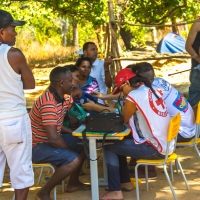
159,188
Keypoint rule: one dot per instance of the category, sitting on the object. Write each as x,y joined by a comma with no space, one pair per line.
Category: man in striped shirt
49,145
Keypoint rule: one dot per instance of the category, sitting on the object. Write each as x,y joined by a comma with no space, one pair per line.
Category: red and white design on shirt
153,125
175,102
158,106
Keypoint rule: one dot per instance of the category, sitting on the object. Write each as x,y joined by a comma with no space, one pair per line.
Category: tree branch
155,58
168,14
154,25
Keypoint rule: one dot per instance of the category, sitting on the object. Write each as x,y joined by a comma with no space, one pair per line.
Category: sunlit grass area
47,55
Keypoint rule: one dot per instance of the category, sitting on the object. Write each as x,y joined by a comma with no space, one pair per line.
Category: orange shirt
48,110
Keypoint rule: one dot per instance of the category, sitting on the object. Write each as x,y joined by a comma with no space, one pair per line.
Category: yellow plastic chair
172,134
196,140
42,165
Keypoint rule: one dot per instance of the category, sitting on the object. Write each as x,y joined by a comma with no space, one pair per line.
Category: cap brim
17,23
116,91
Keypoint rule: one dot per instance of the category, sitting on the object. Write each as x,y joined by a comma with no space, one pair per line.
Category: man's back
12,99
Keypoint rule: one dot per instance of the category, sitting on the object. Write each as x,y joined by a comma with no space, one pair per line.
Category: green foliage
138,34
160,11
86,33
44,17
92,10
42,24
154,12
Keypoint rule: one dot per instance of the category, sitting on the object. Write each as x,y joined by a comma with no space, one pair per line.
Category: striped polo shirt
48,109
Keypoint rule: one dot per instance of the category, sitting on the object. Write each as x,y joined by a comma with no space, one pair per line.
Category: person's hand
88,106
96,94
107,62
73,123
76,92
197,67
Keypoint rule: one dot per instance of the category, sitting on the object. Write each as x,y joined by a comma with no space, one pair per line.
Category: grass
47,55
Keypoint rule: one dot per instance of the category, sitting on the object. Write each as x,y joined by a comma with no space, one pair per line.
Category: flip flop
123,189
104,197
83,187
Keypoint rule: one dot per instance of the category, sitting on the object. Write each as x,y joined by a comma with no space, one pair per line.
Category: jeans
194,89
46,153
180,138
116,163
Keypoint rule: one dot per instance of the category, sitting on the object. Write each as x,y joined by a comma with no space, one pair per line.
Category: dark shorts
180,138
45,153
194,89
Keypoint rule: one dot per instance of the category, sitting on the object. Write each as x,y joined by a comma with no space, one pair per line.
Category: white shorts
16,148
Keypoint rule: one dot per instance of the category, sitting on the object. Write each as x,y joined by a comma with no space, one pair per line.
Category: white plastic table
93,155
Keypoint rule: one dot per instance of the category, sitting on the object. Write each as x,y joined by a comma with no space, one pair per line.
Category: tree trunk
154,35
75,34
126,37
174,28
114,43
64,31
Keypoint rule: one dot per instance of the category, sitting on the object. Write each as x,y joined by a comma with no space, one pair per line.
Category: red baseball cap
122,76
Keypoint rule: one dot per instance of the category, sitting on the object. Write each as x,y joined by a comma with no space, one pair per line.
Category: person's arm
128,110
76,92
66,130
91,106
105,96
108,78
17,61
54,139
190,40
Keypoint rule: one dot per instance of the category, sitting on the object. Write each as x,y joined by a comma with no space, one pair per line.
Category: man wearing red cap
15,128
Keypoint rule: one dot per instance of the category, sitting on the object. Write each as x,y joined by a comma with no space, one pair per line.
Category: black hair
71,67
80,60
141,67
85,46
146,81
130,66
57,73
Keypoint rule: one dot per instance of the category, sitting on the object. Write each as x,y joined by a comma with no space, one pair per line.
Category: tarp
79,52
171,43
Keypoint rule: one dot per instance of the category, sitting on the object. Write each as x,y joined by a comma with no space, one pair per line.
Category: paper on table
100,133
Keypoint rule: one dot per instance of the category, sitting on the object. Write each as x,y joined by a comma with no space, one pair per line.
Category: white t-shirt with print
153,119
97,71
175,103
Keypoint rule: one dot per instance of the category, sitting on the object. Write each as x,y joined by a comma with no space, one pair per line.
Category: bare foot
124,187
115,195
41,196
127,186
78,186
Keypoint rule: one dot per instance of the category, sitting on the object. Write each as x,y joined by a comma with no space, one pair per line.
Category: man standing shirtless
193,48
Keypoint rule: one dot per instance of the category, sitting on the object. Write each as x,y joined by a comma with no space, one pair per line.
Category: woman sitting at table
86,83
146,113
70,121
